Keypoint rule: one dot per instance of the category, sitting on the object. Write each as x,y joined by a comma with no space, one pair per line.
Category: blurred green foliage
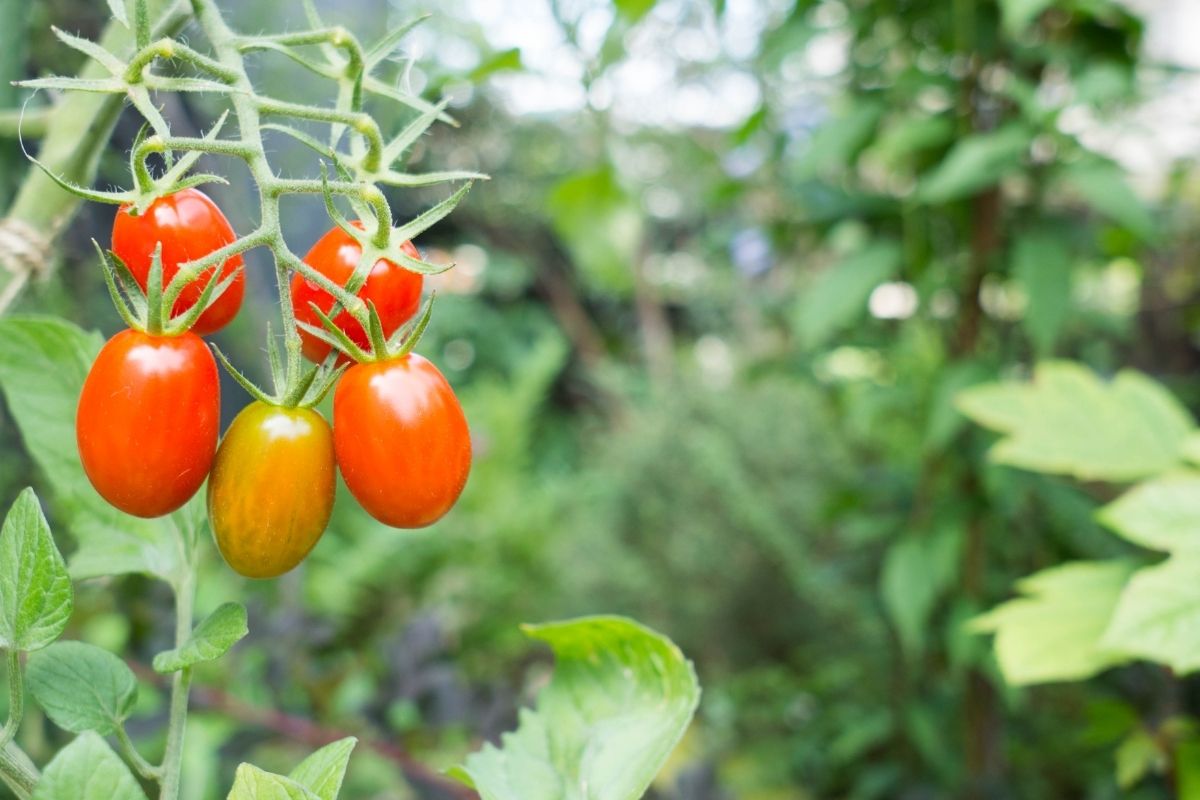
709,320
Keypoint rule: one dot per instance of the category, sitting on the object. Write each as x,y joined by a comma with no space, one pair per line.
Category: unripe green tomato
271,490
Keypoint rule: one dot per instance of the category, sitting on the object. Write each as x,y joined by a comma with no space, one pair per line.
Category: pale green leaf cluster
318,777
1068,421
1075,620
620,699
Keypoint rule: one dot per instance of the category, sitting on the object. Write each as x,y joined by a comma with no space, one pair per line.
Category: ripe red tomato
190,226
395,291
147,421
271,490
401,440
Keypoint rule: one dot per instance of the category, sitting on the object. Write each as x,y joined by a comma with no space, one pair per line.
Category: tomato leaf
252,783
1067,421
1042,265
323,771
82,687
211,639
1056,630
620,699
88,769
43,363
35,590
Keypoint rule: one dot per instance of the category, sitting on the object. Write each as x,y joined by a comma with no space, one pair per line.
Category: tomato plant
401,440
394,290
271,490
189,225
147,421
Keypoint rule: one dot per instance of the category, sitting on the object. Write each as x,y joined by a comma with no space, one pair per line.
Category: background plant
651,270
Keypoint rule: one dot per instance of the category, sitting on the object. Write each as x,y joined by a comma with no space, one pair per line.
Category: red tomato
190,226
271,490
395,291
401,440
147,421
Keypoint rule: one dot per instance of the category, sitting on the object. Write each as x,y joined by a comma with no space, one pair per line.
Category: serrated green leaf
1042,266
1162,514
35,590
252,783
839,295
212,639
82,687
87,769
1055,631
620,699
1067,421
975,163
43,363
1158,615
323,771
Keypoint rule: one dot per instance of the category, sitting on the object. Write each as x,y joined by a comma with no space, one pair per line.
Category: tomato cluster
148,417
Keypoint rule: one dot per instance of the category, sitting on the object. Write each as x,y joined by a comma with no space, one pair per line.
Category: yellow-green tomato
271,490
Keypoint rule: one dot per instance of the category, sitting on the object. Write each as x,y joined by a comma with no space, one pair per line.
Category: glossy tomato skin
272,487
401,440
189,225
148,419
395,291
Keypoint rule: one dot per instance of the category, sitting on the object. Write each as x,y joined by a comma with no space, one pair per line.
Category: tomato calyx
150,311
383,347
307,391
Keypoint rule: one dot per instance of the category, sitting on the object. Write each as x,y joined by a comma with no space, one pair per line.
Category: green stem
16,698
77,130
143,767
246,106
17,771
185,596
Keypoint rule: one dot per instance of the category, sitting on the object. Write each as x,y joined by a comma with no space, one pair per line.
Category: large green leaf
1055,631
1068,421
82,687
600,226
87,769
975,163
620,699
839,295
916,571
1042,265
35,590
1158,616
43,362
211,639
1163,514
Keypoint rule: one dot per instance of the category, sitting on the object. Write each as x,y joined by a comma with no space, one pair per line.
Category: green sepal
413,336
216,286
156,316
92,50
426,220
131,314
384,47
243,381
334,336
412,132
408,179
